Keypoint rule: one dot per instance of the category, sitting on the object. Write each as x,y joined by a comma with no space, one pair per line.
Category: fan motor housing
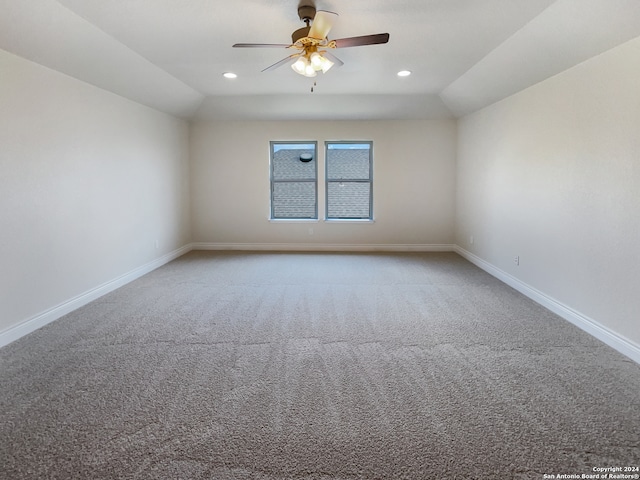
300,33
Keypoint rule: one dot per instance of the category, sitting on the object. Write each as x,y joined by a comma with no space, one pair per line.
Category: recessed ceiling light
229,75
404,73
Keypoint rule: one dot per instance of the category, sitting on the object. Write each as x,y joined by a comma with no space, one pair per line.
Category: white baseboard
15,332
593,328
323,247
618,342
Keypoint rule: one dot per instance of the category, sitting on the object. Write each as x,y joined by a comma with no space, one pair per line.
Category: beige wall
414,181
89,182
552,174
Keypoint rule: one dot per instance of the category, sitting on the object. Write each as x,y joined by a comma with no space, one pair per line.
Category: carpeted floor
273,366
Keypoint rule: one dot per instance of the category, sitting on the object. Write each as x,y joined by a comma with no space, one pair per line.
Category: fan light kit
313,44
309,64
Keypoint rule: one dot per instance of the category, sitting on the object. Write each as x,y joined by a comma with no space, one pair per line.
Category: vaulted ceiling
171,54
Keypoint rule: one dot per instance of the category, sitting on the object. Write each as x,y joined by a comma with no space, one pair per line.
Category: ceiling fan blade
337,62
360,41
261,45
322,23
284,61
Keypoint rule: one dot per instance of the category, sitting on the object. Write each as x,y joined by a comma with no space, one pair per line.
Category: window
349,180
294,182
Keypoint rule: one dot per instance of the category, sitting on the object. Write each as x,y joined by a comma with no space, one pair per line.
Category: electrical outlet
471,240
310,231
516,260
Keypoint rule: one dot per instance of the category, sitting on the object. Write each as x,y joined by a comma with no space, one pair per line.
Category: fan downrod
306,13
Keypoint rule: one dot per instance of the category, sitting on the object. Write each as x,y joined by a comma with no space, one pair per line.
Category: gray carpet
273,366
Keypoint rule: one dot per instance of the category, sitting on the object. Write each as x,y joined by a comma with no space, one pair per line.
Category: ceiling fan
313,45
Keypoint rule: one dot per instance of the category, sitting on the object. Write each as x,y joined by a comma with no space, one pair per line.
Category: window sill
293,220
348,220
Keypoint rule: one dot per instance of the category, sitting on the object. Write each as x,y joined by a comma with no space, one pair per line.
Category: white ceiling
170,54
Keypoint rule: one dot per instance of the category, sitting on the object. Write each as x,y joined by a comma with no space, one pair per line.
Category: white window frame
273,182
328,180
